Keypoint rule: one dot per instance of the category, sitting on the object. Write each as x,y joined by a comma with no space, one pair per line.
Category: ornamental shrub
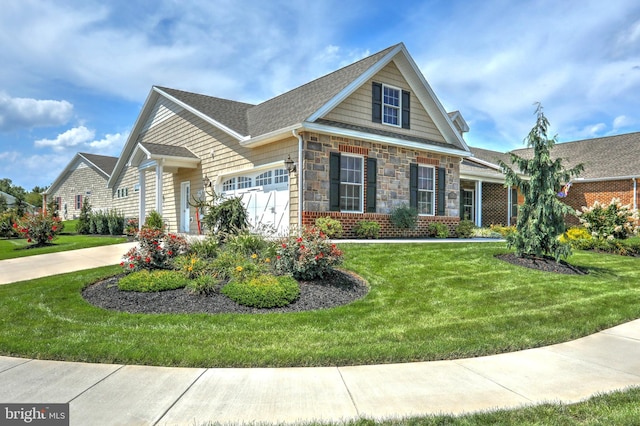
308,256
7,219
115,222
84,219
203,284
465,229
156,250
575,234
248,243
131,227
613,221
263,291
39,228
438,230
368,229
404,217
205,249
154,221
331,227
191,265
152,281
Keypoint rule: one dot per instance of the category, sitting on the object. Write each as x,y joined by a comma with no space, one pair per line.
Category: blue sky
75,74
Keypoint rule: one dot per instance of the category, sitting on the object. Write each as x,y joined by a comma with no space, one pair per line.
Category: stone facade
392,188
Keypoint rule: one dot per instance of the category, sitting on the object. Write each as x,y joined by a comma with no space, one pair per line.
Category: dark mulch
339,288
542,264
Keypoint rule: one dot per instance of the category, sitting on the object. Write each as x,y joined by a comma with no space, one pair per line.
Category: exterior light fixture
290,165
206,182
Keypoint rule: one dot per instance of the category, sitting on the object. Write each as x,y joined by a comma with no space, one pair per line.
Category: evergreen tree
541,217
3,204
84,220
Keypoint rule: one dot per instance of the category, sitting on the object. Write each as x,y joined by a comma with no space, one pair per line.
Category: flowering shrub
7,221
39,228
307,257
192,266
156,250
131,227
614,221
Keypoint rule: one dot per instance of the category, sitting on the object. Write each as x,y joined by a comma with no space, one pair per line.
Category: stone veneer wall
392,182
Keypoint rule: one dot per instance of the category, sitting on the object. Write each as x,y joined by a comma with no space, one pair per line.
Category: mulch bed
337,289
542,264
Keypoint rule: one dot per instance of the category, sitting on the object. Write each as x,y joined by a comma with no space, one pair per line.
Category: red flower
121,263
29,240
15,225
170,253
278,257
301,246
148,260
50,237
284,245
131,265
299,240
54,228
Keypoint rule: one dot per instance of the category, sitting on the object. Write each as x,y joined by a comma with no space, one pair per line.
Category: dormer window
390,105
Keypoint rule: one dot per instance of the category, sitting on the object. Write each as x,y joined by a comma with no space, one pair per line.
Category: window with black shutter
390,105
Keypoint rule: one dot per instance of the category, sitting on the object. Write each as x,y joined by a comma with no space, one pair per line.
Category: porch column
159,172
141,199
509,203
479,203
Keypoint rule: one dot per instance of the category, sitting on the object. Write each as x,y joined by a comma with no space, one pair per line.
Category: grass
617,408
427,302
67,240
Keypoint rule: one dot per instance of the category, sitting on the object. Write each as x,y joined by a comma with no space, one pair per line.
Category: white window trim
433,191
399,107
362,183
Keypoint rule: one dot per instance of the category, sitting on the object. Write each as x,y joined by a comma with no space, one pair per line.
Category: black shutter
406,96
372,179
376,105
413,186
442,185
334,182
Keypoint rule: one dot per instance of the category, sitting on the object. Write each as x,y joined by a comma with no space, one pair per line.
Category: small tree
224,215
84,220
541,217
3,204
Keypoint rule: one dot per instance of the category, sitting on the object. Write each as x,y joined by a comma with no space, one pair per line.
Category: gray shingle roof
298,104
103,162
287,109
230,113
490,156
606,157
168,150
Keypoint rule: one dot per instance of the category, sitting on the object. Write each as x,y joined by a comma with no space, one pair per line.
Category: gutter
300,188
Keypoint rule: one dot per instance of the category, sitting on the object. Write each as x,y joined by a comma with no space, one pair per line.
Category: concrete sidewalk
42,265
103,394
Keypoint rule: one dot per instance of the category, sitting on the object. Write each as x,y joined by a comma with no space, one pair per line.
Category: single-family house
353,144
611,170
85,176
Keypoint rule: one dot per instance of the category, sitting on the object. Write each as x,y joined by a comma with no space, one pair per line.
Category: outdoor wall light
206,182
289,164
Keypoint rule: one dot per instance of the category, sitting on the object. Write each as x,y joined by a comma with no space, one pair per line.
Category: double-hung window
426,190
351,178
78,202
390,105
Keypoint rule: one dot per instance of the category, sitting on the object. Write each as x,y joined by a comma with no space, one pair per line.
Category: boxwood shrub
263,291
152,281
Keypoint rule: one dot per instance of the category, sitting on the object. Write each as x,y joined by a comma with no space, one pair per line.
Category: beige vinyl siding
81,179
356,109
127,205
201,138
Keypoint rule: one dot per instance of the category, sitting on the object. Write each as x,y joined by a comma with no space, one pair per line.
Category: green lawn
427,302
617,408
67,240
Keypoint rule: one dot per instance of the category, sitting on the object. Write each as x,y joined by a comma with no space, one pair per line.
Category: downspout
300,188
635,193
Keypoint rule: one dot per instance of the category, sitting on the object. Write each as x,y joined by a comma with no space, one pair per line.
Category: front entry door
468,205
185,208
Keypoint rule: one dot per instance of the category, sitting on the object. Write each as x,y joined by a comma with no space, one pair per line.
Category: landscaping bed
336,289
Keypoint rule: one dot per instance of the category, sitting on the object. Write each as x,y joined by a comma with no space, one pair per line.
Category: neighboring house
364,140
11,202
611,170
85,177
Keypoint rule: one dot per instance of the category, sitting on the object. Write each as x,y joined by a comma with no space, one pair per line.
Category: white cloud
16,113
111,144
622,121
70,138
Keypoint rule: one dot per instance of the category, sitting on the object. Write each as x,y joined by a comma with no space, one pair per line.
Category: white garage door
266,197
268,208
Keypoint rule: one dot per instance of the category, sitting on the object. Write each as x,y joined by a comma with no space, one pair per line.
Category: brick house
353,144
611,170
85,176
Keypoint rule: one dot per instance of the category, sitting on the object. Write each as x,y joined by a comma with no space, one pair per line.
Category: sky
75,74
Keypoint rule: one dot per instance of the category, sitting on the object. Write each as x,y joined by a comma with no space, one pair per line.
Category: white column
509,202
159,188
479,203
141,199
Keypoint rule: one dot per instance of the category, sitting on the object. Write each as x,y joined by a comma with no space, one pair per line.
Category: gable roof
302,108
605,158
102,164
